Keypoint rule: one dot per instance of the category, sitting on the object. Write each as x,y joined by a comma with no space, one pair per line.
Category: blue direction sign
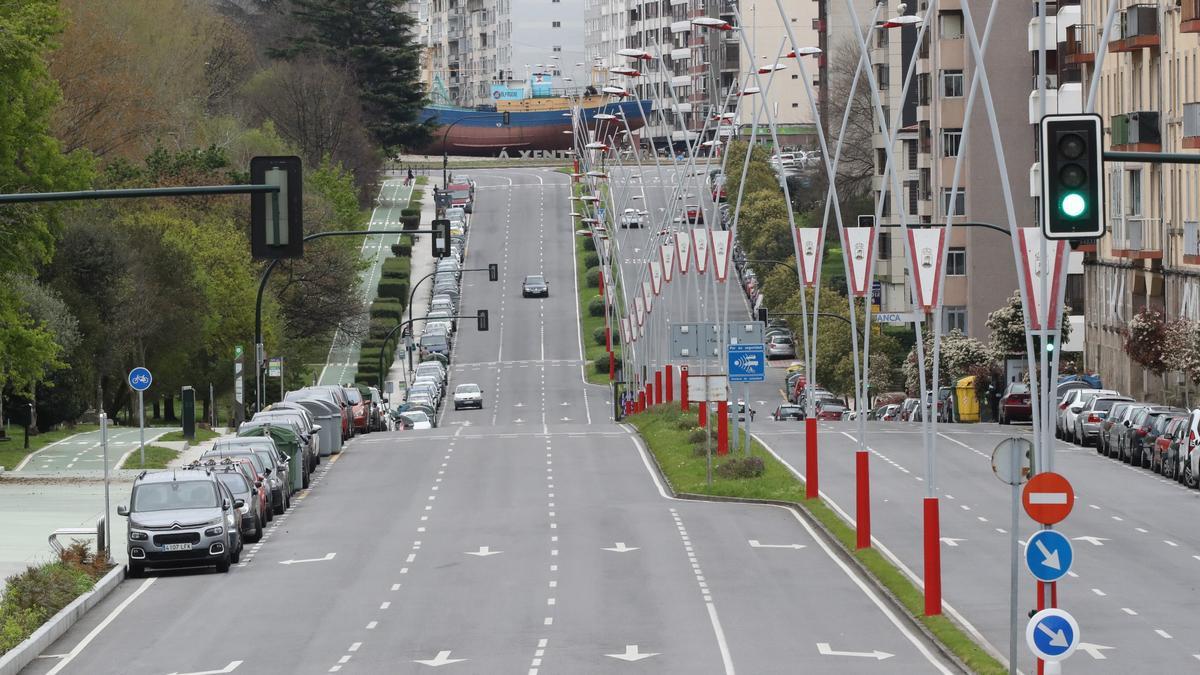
140,379
1052,634
1048,555
747,362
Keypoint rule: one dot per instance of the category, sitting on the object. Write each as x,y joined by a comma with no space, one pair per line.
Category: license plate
177,547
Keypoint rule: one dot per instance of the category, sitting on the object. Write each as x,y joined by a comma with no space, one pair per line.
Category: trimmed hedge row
394,288
592,278
396,268
382,309
596,306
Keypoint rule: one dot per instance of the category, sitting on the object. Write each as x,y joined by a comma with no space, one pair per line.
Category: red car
695,214
1015,404
830,412
1161,460
358,410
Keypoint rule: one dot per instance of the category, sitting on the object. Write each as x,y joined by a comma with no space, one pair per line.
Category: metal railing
76,533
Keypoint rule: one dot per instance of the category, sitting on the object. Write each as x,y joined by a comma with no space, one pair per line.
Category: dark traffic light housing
493,272
762,315
1072,165
277,233
441,238
481,319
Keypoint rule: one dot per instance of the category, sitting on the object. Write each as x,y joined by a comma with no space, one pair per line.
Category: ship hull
463,131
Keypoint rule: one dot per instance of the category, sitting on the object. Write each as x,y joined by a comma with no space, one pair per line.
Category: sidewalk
422,264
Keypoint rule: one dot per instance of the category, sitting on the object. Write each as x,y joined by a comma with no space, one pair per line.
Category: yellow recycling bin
968,402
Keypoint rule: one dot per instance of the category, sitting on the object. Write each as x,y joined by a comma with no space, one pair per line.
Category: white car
1070,405
468,396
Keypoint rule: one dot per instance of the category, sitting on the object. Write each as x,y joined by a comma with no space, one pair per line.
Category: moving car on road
1014,405
535,286
780,347
468,396
788,411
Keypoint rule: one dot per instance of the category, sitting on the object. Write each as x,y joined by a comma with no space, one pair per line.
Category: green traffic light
1073,205
1050,346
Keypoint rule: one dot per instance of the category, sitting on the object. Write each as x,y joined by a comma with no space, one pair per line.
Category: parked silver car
780,347
1089,419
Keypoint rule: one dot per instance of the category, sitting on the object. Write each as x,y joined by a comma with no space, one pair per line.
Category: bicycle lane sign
140,379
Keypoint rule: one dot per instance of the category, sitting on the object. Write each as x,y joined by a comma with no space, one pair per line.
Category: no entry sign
1048,498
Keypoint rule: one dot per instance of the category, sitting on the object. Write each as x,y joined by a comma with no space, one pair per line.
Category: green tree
1008,328
375,42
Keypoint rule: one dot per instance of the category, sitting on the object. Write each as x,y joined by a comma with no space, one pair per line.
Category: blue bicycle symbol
140,379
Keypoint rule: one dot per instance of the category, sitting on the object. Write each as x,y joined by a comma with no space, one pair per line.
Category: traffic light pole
1152,157
493,270
481,317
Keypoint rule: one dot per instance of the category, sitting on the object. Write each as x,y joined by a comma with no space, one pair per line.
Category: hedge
380,327
370,365
600,339
591,259
371,379
393,288
589,244
596,306
411,211
33,596
396,268
404,248
410,222
601,364
382,309
592,277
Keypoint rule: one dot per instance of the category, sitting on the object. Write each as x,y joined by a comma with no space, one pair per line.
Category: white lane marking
1129,611
1162,633
101,626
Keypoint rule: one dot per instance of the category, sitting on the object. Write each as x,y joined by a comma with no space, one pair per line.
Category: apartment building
473,45
1149,98
786,99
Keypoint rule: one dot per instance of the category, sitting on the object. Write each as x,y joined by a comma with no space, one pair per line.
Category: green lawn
13,450
202,435
589,323
685,471
157,457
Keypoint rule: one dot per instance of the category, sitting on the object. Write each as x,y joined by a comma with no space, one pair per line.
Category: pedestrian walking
409,179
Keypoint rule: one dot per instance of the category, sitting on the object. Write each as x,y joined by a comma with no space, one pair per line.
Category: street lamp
445,151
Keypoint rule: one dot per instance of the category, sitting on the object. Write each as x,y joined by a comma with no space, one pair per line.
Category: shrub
696,435
366,378
40,592
589,244
601,364
596,306
599,337
396,268
404,248
383,309
684,424
370,366
410,222
411,211
592,277
591,259
394,288
742,467
379,328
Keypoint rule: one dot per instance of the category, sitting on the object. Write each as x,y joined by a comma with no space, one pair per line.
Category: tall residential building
1149,98
787,98
475,44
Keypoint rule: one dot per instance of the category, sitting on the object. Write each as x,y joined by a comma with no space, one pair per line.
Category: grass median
668,433
202,435
13,451
157,457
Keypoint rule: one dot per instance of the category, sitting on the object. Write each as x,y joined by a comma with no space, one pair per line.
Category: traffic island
157,457
668,433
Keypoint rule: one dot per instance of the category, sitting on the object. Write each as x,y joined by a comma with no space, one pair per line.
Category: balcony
1080,46
1190,16
1136,132
1035,33
1136,238
1138,29
1191,125
1191,243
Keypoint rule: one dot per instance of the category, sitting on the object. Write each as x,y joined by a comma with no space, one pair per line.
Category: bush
592,277
601,364
366,378
404,248
394,288
370,364
684,424
589,244
410,222
599,337
591,259
596,306
742,467
383,309
696,435
411,211
40,592
379,328
396,268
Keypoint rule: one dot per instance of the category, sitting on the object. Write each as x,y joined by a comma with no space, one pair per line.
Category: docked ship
536,121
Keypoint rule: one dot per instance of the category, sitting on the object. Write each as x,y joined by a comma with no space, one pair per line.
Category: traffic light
441,238
277,219
493,272
481,319
762,314
1045,345
1072,166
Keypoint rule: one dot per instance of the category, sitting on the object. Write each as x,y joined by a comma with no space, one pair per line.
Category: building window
959,205
952,83
558,24
1133,205
951,139
557,48
956,262
951,25
885,246
955,319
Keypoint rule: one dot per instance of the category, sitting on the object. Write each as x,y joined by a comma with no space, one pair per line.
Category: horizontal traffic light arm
1152,157
136,193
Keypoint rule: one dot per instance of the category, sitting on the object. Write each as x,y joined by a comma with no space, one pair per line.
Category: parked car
788,411
535,286
831,413
1164,458
1115,416
181,517
251,519
780,347
436,344
1014,405
1070,407
413,420
468,396
891,413
1142,435
1192,451
695,214
273,462
1087,422
908,409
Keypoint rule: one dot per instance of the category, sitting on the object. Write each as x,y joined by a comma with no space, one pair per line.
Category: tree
856,166
375,42
960,356
1008,328
1181,348
1146,340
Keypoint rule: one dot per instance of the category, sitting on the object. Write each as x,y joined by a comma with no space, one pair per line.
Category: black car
535,286
786,411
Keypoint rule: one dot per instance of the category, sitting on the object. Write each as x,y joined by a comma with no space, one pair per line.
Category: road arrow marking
442,658
1094,541
620,547
824,648
754,544
233,666
564,403
565,419
483,552
1051,559
1094,651
518,421
632,654
518,405
1057,637
328,556
951,541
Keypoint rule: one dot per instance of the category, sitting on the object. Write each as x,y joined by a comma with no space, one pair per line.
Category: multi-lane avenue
530,536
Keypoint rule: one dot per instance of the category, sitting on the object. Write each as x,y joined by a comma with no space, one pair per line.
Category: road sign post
1012,462
239,386
140,380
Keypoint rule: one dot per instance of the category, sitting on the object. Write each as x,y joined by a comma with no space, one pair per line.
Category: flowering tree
1181,348
1145,340
1008,328
959,354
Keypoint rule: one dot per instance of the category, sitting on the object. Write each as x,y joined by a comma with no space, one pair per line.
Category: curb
57,625
831,541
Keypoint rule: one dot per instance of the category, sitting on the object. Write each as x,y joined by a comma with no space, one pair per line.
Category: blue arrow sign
1048,555
140,379
1052,634
747,362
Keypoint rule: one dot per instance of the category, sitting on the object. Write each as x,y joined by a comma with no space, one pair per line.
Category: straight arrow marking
1094,651
951,541
1094,541
826,650
484,551
620,547
755,544
227,669
442,658
632,654
328,556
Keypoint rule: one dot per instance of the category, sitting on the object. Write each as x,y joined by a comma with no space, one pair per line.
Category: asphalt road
342,361
526,537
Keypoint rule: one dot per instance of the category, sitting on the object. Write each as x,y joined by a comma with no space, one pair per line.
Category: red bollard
701,414
722,427
658,385
628,408
933,559
670,383
863,494
600,289
612,366
641,404
649,394
683,396
811,486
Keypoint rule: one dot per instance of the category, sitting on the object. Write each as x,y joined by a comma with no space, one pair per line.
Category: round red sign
1048,498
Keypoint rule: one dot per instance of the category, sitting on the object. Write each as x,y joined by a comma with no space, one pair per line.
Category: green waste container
288,442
